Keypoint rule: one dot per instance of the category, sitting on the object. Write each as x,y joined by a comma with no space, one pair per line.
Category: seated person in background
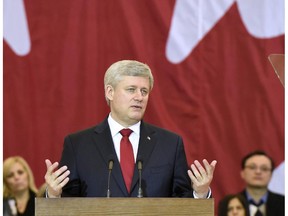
19,189
257,168
233,205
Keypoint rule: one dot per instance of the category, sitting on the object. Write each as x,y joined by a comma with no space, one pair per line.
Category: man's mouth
136,107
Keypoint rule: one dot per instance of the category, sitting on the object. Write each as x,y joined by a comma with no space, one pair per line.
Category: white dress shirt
134,137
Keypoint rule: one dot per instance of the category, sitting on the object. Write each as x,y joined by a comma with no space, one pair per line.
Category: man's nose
139,95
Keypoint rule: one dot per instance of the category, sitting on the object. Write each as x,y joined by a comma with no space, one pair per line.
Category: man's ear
242,174
109,91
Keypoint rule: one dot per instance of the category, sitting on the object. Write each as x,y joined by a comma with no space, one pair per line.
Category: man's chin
137,117
259,186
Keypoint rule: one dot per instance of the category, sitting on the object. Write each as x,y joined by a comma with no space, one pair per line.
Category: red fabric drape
224,98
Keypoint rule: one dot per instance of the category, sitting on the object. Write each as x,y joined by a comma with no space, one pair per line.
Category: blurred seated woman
19,189
233,205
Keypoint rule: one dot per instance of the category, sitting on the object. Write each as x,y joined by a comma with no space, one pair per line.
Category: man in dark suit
257,168
88,154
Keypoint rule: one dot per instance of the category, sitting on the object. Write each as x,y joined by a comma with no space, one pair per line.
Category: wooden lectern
124,206
278,63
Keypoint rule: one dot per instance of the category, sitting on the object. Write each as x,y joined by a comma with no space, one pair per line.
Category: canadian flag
214,84
192,20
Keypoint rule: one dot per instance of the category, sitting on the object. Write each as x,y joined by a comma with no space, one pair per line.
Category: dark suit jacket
164,173
275,204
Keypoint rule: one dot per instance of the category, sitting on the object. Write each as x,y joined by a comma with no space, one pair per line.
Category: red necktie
126,157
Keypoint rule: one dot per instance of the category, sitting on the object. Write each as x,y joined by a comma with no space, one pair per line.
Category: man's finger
59,172
48,163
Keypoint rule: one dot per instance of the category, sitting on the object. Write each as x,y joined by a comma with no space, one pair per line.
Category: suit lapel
104,142
147,143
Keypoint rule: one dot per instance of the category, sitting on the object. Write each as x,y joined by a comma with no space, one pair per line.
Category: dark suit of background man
257,168
85,158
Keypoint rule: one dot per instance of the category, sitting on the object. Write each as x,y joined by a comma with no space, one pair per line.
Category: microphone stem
108,193
108,189
110,166
140,192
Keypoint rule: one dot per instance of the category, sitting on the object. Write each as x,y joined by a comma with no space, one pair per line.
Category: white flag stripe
15,27
263,18
192,20
277,183
188,28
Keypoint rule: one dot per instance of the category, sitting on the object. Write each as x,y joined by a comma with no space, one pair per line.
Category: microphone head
110,162
139,162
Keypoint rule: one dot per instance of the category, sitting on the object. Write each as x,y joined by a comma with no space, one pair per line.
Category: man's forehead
258,159
134,80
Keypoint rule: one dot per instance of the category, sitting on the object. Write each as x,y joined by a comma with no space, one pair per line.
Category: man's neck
257,193
125,124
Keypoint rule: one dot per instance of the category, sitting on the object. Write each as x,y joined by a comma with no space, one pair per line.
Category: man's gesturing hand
55,178
201,177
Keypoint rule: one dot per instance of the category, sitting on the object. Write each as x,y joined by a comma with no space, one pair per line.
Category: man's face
257,171
128,100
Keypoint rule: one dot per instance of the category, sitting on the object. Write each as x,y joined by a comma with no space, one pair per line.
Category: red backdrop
223,98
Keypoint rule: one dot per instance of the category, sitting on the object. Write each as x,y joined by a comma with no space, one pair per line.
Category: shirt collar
115,127
263,198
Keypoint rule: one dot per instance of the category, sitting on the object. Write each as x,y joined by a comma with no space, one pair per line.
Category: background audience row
19,189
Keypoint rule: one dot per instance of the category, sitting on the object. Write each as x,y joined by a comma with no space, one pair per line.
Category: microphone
110,167
139,166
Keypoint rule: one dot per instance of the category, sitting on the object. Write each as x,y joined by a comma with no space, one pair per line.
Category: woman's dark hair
223,204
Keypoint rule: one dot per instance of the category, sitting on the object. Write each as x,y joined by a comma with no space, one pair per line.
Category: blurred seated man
257,168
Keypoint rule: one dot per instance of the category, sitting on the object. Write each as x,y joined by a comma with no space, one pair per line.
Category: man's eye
144,92
131,89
